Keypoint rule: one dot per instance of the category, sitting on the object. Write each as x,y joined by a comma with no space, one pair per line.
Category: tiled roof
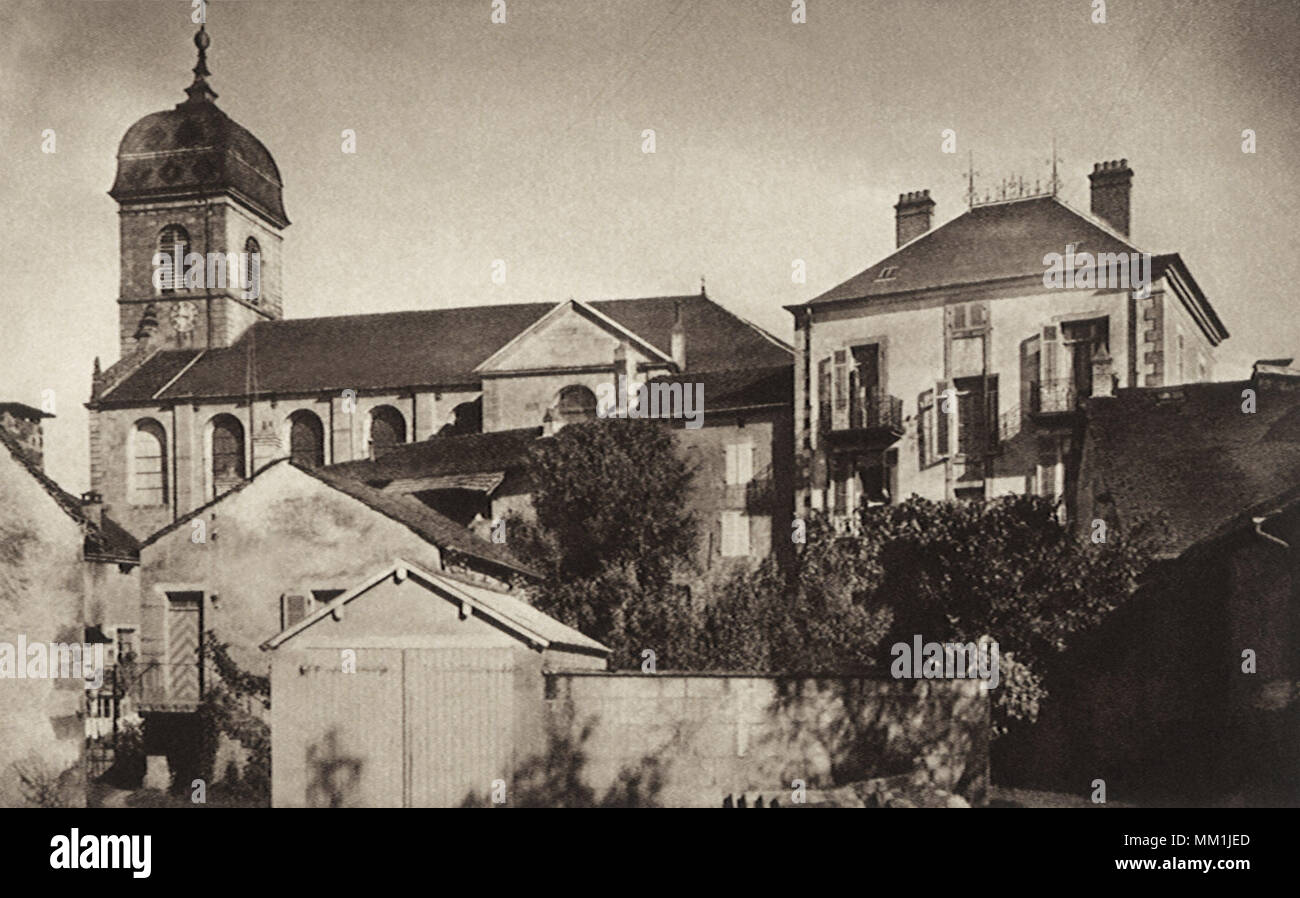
474,453
428,347
742,388
423,520
193,150
987,243
21,410
105,541
716,339
1190,452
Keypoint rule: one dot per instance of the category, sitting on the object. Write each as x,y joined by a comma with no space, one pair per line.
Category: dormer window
888,274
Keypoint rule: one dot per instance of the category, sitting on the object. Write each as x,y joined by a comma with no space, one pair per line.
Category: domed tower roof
195,150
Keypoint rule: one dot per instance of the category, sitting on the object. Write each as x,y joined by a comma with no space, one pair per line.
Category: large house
955,367
214,383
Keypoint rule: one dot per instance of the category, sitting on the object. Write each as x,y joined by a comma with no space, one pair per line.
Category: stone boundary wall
692,740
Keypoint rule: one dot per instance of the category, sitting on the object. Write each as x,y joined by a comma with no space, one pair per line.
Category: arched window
148,478
254,261
387,429
306,439
227,453
575,403
174,236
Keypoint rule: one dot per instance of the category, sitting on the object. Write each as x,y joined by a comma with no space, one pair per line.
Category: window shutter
841,414
924,427
1030,362
730,473
293,609
945,407
744,463
824,390
991,409
1047,360
735,534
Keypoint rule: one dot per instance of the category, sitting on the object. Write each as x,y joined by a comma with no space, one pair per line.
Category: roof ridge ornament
1015,187
200,91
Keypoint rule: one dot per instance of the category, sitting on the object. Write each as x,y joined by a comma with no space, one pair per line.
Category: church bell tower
195,187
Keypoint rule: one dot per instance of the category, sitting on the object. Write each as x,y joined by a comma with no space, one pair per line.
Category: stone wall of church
345,423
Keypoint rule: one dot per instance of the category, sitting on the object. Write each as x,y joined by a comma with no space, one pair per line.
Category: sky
523,142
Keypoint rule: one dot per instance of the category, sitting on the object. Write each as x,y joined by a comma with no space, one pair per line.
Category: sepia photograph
658,404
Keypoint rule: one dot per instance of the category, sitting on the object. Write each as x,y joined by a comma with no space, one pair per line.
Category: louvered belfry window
174,236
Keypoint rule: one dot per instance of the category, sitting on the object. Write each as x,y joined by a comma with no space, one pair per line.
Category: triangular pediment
572,335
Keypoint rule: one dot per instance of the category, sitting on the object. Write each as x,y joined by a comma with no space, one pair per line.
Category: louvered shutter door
1048,372
744,463
840,419
944,412
1052,393
924,427
991,409
295,609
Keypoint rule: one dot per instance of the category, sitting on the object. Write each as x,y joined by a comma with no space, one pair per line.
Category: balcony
873,419
1058,398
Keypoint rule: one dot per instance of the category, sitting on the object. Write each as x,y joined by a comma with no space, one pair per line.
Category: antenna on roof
702,293
970,181
1055,183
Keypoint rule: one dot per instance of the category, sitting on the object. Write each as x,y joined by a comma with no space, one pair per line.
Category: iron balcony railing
871,409
1054,397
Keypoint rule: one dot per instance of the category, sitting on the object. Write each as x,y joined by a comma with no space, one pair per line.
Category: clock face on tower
183,315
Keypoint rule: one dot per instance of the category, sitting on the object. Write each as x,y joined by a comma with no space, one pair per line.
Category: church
214,382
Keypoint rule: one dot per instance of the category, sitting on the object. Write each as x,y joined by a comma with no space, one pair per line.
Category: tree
1007,569
811,616
612,526
950,572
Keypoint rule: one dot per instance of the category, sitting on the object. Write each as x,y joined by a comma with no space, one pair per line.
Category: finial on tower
199,91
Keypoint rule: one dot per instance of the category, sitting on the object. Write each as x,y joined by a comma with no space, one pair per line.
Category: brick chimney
23,423
912,215
1112,183
92,507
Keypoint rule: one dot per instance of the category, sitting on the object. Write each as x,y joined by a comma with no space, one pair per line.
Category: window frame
153,429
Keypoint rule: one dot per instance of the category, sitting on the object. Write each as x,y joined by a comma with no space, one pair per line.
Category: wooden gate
184,644
408,727
459,705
